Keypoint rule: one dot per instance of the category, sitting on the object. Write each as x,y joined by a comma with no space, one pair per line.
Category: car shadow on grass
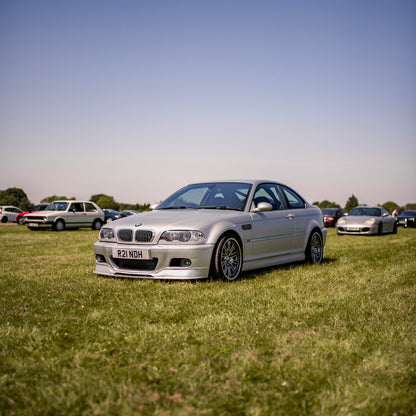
254,274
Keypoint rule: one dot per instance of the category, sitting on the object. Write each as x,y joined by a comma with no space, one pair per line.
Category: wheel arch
229,233
314,225
308,254
56,220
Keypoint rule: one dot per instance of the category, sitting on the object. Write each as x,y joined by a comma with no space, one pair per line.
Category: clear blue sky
135,98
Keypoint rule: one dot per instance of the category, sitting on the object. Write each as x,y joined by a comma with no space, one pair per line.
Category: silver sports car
216,229
367,221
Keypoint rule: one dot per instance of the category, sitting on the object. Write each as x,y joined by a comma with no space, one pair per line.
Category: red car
331,216
36,208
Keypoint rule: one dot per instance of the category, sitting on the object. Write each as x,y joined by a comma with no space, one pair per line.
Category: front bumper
164,263
358,229
33,225
407,222
329,222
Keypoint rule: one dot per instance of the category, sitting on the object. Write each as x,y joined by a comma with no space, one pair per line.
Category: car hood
193,219
43,213
357,219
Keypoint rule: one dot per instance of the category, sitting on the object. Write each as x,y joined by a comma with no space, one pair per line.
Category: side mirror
263,206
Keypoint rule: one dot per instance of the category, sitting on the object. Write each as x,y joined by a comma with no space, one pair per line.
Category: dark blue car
407,218
110,215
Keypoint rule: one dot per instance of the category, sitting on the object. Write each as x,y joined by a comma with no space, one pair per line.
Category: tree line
352,202
18,198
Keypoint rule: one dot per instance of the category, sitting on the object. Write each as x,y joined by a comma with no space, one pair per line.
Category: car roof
70,200
249,181
368,206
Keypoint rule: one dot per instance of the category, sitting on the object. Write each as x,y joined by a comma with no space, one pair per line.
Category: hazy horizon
135,99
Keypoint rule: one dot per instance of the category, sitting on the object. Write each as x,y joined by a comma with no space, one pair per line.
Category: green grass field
334,339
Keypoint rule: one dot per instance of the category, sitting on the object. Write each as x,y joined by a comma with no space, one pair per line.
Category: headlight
371,221
341,221
182,236
106,234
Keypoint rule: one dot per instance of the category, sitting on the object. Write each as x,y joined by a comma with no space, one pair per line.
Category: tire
228,259
4,220
394,228
380,229
96,225
59,225
20,220
315,248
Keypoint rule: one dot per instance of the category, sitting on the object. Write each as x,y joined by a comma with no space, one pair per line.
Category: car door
300,215
273,230
75,216
388,221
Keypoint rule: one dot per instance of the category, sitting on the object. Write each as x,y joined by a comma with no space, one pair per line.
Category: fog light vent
180,263
100,258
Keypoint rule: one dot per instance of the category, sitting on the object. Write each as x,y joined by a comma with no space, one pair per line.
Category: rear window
90,207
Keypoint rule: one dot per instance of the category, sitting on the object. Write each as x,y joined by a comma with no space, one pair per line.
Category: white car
67,214
215,228
367,221
8,213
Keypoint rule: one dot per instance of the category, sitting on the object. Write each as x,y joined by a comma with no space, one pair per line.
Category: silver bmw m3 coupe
217,229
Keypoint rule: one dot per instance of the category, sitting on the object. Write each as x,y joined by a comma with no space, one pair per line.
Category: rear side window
77,207
90,207
294,201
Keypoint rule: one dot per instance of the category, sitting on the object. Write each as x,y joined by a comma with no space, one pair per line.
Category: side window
294,200
90,207
77,206
268,193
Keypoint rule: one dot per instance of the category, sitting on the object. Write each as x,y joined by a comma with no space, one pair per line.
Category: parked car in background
127,213
8,213
407,218
367,221
215,228
36,208
331,216
60,215
110,215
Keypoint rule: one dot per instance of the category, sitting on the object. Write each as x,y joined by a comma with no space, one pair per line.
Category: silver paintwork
367,224
267,237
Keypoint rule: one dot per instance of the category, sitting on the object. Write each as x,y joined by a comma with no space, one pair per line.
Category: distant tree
136,207
410,206
52,198
351,203
326,204
96,197
16,197
106,201
390,206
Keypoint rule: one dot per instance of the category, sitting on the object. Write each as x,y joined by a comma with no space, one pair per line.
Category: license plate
131,253
353,229
33,224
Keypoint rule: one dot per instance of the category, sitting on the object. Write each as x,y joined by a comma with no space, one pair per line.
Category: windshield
329,211
408,213
57,206
368,212
222,195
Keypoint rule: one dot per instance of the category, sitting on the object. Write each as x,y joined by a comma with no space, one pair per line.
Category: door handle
290,216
